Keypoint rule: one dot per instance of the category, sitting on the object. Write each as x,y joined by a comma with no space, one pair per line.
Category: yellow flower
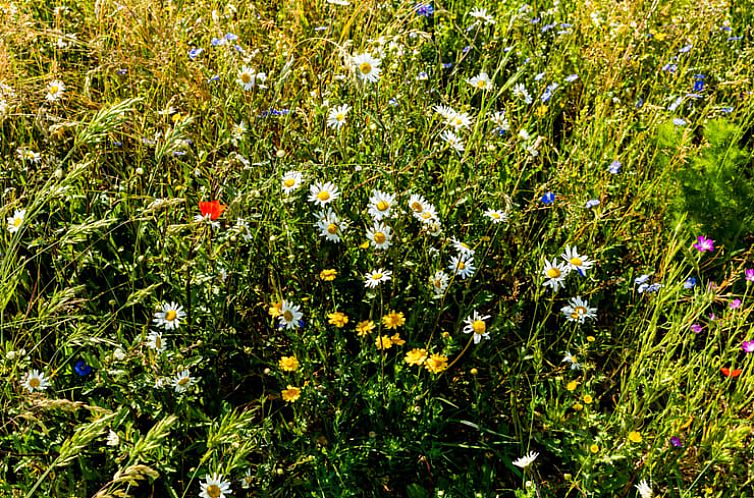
291,394
590,338
364,245
393,320
634,437
473,371
288,363
594,448
364,328
396,339
541,111
416,356
578,407
587,399
384,342
276,309
571,386
328,275
436,363
338,319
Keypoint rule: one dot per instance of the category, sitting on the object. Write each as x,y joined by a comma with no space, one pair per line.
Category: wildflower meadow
341,248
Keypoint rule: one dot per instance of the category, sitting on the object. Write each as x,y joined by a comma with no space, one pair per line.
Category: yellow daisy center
34,382
579,310
183,381
288,315
426,215
289,182
170,315
481,84
365,68
479,327
461,265
213,491
495,216
553,272
246,78
382,205
332,228
380,237
157,342
417,206
576,261
323,196
17,221
377,276
457,121
54,89
340,117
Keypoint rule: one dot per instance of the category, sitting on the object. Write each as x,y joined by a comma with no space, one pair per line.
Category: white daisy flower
380,205
170,316
576,261
379,235
434,228
526,460
35,380
323,193
578,310
520,92
458,120
330,226
481,82
475,324
462,266
291,181
555,273
15,221
417,203
428,215
445,111
569,358
439,283
481,15
452,140
248,78
183,381
248,479
55,90
290,315
645,489
215,486
337,116
367,67
112,438
496,216
500,121
29,155
376,277
462,248
156,342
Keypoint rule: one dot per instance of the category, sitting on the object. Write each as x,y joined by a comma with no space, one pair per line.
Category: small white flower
481,15
29,155
645,489
156,342
183,381
520,92
323,193
475,324
330,226
481,82
452,140
376,277
555,273
337,116
380,205
215,486
367,68
55,90
170,316
462,248
569,358
462,266
248,78
290,315
15,221
576,261
439,283
291,181
526,460
112,438
496,216
578,310
35,381
380,235
458,120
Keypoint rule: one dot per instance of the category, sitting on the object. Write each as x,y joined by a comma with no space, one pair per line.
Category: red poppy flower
731,373
214,209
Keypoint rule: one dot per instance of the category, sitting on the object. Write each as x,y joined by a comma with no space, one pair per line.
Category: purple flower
749,273
548,198
747,346
696,328
690,283
735,304
592,203
704,244
614,167
676,441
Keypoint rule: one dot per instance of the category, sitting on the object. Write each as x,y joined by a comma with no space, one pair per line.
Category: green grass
143,133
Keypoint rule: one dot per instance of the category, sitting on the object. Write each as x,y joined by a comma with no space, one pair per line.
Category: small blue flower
571,78
641,280
639,103
466,49
231,37
424,9
679,122
726,110
699,83
690,283
393,102
447,65
216,42
548,198
672,107
614,167
685,49
670,67
122,71
194,53
547,94
592,203
320,28
82,369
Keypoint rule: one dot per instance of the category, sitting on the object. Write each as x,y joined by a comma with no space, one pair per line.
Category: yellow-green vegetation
376,248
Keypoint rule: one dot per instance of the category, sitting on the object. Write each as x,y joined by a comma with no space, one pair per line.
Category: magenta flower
749,273
704,244
676,441
696,328
747,346
735,304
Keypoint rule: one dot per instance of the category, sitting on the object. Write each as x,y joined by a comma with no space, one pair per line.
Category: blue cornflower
424,9
670,67
547,94
639,103
614,167
592,203
447,65
548,198
672,107
699,83
466,48
571,78
679,122
82,369
231,37
393,102
194,53
685,49
690,283
122,71
727,110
